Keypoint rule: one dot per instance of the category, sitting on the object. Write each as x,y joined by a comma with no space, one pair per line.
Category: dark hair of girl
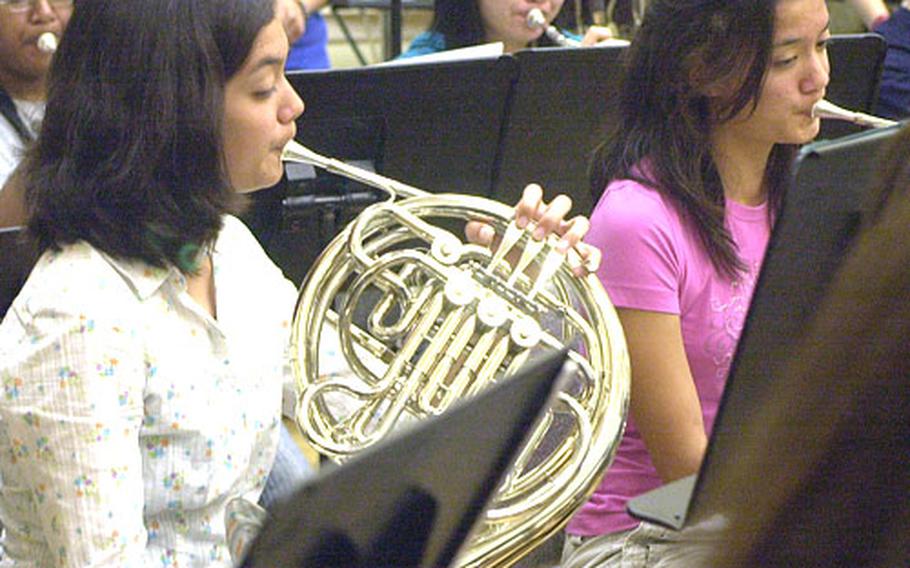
459,21
130,158
660,135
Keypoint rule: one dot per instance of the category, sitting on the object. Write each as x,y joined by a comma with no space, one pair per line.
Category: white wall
367,27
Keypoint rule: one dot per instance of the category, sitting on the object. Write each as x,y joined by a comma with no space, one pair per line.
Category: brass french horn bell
423,319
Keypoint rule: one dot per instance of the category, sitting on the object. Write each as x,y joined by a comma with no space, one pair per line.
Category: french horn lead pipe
536,19
825,109
297,152
294,151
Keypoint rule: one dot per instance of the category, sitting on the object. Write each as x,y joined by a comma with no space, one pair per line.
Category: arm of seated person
313,6
664,402
292,16
294,13
872,12
71,459
595,35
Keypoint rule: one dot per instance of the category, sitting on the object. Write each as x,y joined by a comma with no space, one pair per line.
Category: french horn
424,319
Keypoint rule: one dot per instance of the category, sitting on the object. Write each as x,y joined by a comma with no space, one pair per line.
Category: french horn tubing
828,110
424,319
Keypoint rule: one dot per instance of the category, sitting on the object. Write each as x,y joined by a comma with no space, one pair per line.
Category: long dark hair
459,21
663,116
130,156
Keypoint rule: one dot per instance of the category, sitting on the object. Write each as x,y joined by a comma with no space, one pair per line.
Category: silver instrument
825,109
536,19
47,42
639,7
424,319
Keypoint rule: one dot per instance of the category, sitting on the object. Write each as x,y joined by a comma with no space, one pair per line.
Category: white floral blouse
128,416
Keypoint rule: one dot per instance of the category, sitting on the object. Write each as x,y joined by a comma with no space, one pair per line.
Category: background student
463,23
308,33
23,72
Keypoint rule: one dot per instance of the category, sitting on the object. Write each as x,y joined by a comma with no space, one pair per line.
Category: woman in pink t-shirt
717,95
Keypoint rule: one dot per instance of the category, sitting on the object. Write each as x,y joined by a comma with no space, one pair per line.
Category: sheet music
494,49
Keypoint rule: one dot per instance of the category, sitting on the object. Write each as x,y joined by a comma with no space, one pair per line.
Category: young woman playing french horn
143,361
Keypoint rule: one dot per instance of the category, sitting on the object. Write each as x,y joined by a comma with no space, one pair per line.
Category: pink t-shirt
653,260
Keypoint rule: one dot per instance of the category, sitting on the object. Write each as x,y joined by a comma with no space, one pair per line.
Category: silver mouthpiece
47,42
825,109
536,19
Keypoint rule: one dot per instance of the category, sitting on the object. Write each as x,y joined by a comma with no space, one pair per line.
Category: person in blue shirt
307,32
463,23
892,22
310,51
894,91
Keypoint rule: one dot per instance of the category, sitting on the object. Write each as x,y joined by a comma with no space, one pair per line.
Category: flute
536,19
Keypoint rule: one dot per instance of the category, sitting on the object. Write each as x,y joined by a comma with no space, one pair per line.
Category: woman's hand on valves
549,218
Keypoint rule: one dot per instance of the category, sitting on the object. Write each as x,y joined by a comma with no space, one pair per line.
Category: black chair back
17,257
856,70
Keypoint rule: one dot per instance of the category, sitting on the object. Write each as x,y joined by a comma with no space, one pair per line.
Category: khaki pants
646,546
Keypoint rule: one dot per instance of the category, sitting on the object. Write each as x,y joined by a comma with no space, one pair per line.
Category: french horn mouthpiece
294,151
828,110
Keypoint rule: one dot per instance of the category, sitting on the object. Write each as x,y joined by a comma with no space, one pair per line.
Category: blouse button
152,405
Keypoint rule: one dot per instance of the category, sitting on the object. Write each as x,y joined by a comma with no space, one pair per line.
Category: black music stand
412,499
820,217
410,120
17,257
556,118
856,61
432,125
